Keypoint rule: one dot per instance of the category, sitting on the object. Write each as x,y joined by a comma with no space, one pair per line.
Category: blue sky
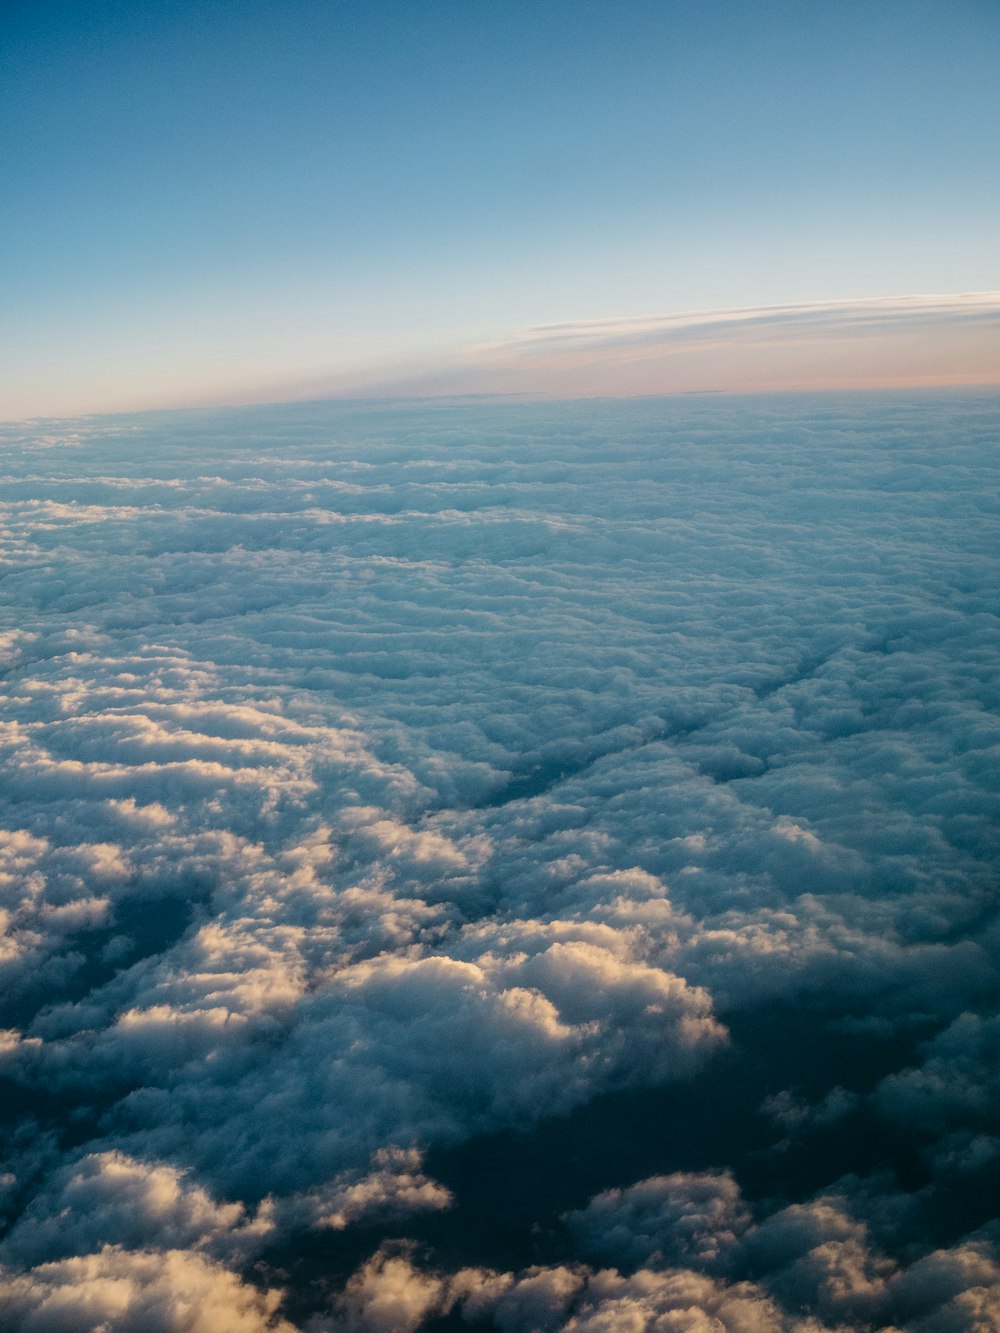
224,200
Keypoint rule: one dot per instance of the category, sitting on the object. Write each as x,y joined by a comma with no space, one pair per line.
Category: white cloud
111,1199
393,1187
682,1218
175,1291
815,1268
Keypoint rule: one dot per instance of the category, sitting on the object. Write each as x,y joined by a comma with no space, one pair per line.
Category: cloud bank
882,342
522,866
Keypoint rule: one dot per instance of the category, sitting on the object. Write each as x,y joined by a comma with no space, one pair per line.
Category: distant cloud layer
529,864
901,342
935,341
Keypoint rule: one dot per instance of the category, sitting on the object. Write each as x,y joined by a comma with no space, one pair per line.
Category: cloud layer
523,864
880,342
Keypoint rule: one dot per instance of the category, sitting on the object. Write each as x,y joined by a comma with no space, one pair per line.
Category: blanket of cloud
502,865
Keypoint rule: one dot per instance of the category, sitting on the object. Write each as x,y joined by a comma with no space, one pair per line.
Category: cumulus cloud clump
508,865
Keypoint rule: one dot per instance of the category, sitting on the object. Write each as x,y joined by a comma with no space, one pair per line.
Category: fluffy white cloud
387,1295
682,1218
393,1187
111,1199
814,1268
173,1291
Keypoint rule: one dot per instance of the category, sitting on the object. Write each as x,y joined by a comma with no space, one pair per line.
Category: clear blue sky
202,196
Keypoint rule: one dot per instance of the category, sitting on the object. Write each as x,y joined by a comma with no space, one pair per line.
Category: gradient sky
217,201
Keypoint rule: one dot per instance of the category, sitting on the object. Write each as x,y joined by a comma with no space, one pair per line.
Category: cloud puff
390,1292
674,1219
813,1268
111,1199
387,1295
394,1187
176,1291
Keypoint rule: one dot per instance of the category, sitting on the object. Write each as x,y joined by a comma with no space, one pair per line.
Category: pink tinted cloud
893,342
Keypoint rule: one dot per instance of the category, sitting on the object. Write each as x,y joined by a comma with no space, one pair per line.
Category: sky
222,202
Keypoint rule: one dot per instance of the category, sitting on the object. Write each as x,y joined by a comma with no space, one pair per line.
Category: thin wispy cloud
905,341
